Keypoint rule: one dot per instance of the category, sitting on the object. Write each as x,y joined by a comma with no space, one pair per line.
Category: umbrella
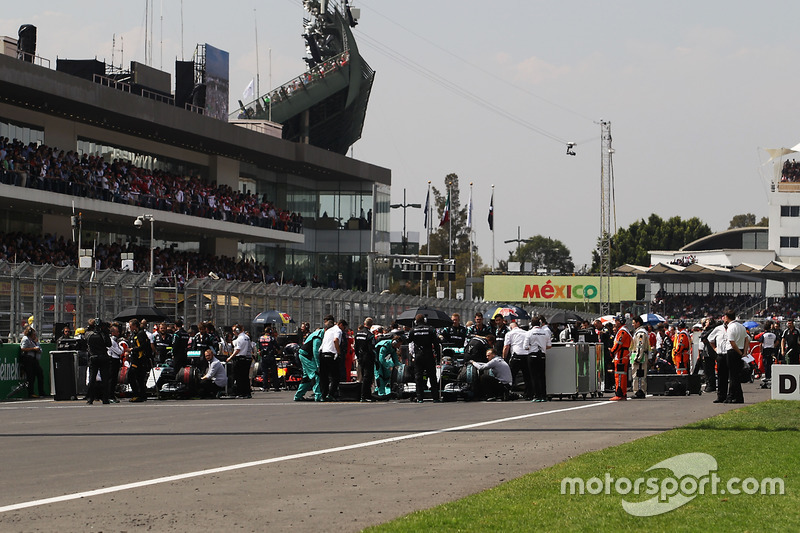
562,317
652,319
509,311
147,312
435,317
606,319
750,324
278,318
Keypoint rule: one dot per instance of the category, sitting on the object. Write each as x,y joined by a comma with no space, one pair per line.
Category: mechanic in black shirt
365,352
454,336
426,348
98,341
479,328
180,345
500,330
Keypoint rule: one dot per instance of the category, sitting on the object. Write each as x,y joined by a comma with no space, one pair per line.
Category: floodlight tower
608,219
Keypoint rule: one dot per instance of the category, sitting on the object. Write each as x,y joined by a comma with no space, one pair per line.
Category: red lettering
548,290
531,291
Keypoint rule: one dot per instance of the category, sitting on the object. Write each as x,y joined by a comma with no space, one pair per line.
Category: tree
633,244
440,241
544,252
747,220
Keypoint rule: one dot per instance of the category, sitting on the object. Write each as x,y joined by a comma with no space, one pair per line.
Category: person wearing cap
640,357
681,349
620,351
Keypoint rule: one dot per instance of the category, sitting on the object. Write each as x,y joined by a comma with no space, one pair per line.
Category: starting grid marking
250,464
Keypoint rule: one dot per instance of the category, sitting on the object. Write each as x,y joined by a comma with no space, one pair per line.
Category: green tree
440,237
544,252
632,244
747,220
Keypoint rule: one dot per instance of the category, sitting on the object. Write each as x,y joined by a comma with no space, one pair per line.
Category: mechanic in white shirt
516,348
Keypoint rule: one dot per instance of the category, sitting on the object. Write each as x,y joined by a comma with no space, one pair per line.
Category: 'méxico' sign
556,288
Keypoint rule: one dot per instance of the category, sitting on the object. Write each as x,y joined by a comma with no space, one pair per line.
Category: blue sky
694,91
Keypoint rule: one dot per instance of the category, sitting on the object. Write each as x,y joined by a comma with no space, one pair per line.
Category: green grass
758,441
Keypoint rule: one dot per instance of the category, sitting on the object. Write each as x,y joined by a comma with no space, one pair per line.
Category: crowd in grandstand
697,306
790,171
781,308
40,167
173,265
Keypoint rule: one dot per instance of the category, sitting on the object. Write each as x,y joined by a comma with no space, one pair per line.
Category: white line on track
240,466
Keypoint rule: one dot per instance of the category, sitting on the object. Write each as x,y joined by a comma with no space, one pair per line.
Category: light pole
405,206
519,241
138,223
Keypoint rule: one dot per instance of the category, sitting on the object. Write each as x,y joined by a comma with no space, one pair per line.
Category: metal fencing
68,295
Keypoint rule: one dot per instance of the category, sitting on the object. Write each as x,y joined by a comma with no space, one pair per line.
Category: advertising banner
556,289
11,373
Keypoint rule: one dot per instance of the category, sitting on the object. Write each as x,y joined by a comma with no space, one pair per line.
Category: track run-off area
268,462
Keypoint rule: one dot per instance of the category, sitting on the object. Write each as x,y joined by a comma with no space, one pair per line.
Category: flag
469,210
491,212
446,214
427,207
249,92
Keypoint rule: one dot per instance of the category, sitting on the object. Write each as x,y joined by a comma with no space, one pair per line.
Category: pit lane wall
571,289
11,371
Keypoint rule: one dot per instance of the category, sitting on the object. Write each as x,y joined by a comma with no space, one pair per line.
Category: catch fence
71,296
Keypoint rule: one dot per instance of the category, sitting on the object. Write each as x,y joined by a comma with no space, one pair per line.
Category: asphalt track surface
270,464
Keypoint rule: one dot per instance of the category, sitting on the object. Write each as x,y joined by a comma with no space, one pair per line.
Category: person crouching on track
495,377
620,350
214,381
387,350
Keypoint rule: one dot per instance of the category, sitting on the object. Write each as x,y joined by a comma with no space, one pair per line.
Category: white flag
249,92
469,210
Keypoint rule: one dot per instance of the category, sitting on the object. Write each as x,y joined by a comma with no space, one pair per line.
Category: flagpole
450,243
258,76
469,214
270,85
429,207
492,209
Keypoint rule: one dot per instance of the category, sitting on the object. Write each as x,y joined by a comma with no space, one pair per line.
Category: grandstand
85,140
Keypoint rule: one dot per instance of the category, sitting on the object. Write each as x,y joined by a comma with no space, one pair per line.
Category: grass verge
759,441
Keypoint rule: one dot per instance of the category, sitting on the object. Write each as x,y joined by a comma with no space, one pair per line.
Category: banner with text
556,289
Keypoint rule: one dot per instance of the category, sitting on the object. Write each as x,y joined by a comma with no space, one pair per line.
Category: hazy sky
694,92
